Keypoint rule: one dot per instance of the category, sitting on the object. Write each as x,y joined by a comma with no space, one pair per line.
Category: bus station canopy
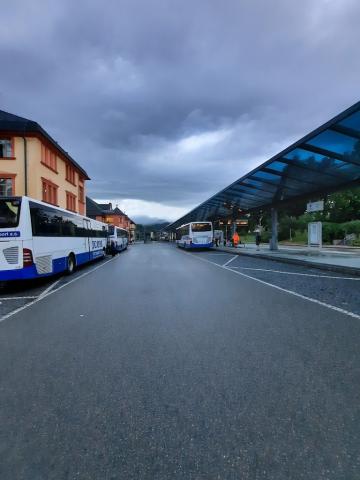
325,160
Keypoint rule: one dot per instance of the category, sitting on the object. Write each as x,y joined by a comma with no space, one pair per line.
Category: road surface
163,364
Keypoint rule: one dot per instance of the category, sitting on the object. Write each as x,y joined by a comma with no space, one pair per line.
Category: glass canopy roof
325,160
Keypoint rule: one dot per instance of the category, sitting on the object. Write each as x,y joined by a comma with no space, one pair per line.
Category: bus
118,238
195,235
39,240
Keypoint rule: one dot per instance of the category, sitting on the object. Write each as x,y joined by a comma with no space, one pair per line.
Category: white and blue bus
195,235
118,238
38,240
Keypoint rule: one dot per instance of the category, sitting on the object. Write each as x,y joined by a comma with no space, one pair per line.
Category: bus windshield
201,227
9,213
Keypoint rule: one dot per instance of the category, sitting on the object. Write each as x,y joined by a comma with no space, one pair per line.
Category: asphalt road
162,364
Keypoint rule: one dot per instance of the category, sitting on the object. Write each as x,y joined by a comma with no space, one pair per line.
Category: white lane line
298,273
48,289
37,299
229,261
291,292
17,298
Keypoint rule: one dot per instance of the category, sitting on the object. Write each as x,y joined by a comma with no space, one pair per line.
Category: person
113,249
235,239
257,239
216,242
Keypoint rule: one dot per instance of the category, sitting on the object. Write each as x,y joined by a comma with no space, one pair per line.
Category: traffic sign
315,206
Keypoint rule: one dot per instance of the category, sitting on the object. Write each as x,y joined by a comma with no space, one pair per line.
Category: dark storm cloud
169,101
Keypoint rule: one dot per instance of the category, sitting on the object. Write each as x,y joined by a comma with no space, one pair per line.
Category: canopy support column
274,230
233,229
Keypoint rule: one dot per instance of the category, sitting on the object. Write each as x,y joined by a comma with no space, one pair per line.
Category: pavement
164,364
336,259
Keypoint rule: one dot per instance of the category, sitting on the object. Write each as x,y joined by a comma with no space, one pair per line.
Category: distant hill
145,220
152,227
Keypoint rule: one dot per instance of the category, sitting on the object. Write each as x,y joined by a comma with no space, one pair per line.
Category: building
32,163
105,212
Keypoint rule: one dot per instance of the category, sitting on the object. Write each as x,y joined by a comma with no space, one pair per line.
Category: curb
295,261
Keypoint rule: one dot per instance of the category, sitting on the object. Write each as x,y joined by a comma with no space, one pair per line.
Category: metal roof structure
325,160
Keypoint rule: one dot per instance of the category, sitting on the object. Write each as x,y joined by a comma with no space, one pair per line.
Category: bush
352,227
332,231
265,236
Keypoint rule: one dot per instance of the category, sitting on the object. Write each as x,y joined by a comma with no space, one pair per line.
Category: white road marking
48,289
298,273
37,299
17,298
227,254
229,261
291,292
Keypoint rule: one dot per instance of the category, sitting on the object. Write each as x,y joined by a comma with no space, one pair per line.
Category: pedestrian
113,249
235,239
257,240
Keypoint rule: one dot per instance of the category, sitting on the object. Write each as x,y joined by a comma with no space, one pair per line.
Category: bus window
9,213
201,227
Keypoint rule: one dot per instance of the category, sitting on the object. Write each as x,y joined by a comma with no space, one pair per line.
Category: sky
165,102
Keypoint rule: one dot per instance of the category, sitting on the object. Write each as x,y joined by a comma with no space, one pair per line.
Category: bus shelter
323,161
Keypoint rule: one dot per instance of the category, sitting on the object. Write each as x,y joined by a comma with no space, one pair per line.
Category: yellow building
33,164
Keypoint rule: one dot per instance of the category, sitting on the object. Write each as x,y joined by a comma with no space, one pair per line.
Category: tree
343,206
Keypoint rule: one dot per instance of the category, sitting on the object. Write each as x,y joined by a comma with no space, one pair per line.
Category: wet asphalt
161,366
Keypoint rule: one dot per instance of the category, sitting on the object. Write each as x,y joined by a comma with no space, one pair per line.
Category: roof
117,211
105,206
15,124
93,208
325,160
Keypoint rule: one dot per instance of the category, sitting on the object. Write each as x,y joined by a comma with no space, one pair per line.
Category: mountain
145,220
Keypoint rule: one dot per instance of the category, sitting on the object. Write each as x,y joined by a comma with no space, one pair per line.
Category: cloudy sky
164,102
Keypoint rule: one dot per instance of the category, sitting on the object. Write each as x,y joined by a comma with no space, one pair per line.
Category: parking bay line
298,273
37,299
291,292
48,289
229,261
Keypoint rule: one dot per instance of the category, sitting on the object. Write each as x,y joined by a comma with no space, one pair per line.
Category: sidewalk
337,260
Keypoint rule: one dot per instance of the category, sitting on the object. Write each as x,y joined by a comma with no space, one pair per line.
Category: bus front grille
11,255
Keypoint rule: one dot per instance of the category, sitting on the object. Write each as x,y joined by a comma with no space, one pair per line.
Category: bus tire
70,264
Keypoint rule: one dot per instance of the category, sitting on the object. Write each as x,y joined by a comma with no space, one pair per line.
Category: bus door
87,246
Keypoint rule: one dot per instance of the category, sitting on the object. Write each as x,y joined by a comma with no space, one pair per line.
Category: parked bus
195,235
118,239
38,240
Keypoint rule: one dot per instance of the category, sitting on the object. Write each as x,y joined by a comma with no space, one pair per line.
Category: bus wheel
70,267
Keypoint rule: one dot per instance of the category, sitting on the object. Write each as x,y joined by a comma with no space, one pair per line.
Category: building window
7,185
49,192
70,174
81,194
6,148
70,202
48,158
